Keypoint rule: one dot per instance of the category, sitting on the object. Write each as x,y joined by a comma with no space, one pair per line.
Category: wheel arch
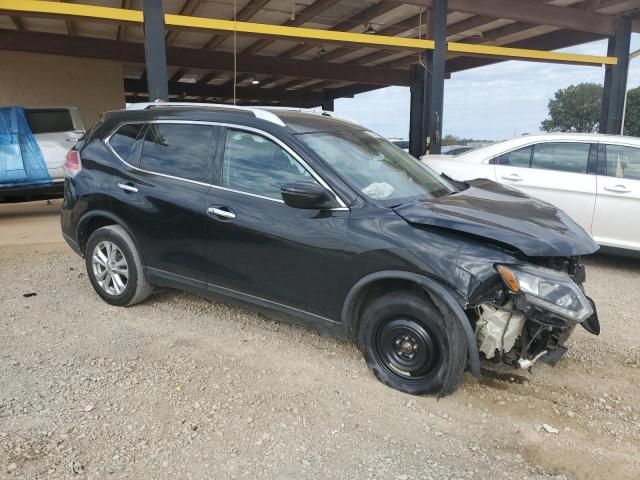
441,296
95,219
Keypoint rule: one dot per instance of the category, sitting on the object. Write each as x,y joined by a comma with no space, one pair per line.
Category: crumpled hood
495,212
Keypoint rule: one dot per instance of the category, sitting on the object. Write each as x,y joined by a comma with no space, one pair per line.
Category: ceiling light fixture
370,30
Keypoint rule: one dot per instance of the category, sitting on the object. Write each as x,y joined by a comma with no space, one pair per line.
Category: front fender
444,298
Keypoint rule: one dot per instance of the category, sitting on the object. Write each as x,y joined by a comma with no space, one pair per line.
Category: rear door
160,191
617,211
560,173
56,130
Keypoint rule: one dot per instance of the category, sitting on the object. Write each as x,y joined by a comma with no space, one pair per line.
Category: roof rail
257,112
329,113
326,113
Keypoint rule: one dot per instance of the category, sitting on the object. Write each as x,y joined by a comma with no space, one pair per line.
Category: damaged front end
532,314
523,292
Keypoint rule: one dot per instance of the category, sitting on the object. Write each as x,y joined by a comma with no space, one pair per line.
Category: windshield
375,167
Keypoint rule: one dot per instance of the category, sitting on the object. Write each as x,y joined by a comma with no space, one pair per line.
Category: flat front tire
114,267
410,346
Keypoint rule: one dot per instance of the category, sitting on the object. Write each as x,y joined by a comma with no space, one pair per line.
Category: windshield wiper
456,183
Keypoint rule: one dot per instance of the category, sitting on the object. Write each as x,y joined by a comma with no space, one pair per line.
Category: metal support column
615,79
154,50
436,73
417,130
328,104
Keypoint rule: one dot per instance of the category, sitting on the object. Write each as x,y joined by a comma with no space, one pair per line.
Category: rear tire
410,346
114,267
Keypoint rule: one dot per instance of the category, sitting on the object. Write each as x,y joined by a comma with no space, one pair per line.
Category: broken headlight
548,289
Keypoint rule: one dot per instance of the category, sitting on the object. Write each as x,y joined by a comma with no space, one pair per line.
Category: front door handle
223,212
514,177
128,187
617,189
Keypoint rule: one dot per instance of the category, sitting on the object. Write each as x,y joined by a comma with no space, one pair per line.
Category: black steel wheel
410,346
405,347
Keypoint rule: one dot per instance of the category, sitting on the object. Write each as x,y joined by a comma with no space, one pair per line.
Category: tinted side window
566,157
254,164
179,150
623,162
516,158
49,120
122,141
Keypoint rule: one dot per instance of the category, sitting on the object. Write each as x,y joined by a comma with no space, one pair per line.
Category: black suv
328,223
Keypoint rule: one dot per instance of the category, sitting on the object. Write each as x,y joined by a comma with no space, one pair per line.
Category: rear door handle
223,212
617,189
127,187
513,177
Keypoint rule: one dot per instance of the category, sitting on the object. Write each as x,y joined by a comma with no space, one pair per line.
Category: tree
575,109
451,140
632,113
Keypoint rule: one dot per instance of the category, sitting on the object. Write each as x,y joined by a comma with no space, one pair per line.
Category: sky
495,102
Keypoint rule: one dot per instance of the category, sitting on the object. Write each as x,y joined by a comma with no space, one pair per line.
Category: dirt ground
180,387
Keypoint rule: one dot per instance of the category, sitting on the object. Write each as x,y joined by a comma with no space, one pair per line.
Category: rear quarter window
623,162
123,139
49,120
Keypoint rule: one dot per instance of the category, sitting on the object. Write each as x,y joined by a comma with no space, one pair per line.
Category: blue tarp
21,161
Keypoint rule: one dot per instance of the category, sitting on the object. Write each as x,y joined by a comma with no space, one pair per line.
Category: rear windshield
375,167
49,120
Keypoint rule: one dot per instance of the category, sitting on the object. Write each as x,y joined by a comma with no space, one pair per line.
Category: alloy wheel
110,268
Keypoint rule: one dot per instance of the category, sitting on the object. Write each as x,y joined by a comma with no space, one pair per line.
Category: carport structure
307,53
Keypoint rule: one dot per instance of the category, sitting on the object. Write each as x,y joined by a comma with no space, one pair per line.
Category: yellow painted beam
527,54
119,15
92,12
634,54
262,29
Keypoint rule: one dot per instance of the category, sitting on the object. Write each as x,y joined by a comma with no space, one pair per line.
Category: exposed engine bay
532,315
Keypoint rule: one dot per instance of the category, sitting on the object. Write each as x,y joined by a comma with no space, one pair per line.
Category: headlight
549,289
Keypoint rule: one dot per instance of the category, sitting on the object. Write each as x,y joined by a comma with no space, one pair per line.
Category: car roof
306,121
581,137
514,143
298,120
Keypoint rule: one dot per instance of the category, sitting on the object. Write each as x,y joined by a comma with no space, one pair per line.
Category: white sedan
594,178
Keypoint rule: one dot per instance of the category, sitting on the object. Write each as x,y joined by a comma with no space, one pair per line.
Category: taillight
72,164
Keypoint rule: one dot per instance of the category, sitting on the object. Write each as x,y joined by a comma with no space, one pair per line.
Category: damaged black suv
330,224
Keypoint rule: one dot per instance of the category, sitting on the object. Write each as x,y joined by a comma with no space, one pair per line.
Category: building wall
34,79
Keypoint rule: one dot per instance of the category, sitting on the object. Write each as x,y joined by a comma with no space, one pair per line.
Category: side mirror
306,195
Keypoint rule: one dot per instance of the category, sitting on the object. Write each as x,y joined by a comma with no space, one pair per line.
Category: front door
257,245
615,221
558,174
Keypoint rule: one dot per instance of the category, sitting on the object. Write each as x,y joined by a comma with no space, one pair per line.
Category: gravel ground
180,387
